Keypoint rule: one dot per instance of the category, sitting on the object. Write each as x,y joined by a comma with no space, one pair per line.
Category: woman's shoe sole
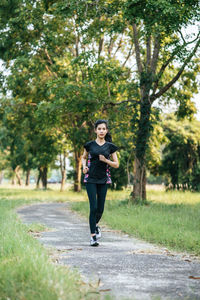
95,245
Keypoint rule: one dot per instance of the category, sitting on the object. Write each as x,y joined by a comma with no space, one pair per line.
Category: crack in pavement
126,267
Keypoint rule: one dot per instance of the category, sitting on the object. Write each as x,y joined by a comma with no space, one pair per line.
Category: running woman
97,174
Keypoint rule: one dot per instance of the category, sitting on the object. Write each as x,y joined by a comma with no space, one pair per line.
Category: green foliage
195,176
151,179
181,154
4,164
155,144
160,16
119,176
27,144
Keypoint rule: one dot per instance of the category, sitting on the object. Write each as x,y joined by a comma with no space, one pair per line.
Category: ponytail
108,137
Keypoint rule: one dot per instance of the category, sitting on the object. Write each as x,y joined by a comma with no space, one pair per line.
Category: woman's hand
85,170
114,163
102,158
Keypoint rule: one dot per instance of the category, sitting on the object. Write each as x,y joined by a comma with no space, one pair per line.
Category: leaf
194,277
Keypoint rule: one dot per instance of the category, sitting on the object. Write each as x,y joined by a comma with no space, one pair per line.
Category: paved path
127,267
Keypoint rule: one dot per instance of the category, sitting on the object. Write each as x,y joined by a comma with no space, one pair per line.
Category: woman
97,174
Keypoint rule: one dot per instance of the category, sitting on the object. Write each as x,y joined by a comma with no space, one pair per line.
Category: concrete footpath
122,266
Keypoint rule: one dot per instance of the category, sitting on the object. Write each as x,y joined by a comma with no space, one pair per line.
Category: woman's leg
92,195
101,197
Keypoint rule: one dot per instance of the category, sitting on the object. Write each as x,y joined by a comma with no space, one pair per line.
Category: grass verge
26,271
171,219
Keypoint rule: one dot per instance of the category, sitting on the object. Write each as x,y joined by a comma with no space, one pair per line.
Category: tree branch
108,88
21,104
128,56
61,163
48,56
110,47
76,33
148,52
48,70
101,41
169,84
163,67
137,48
121,102
184,41
71,50
51,63
119,46
51,73
156,50
77,48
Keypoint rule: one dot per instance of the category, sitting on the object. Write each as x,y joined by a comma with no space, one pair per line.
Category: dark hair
108,137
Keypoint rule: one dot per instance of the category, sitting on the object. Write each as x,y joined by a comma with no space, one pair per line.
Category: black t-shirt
97,169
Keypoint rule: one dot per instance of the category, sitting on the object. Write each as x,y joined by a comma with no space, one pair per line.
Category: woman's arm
84,159
113,163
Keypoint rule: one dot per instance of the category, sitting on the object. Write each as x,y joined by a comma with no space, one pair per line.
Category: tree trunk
63,170
1,176
139,186
28,177
128,174
144,184
13,182
127,169
62,186
38,179
16,170
44,171
77,177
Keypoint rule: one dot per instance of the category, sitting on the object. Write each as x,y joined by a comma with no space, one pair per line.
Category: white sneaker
98,232
93,241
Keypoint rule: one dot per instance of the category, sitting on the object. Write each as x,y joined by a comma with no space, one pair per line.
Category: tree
30,67
182,138
159,44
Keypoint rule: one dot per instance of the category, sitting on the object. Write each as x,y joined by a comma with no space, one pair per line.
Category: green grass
26,271
171,219
37,227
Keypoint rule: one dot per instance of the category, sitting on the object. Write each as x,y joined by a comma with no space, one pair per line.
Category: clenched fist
85,170
102,158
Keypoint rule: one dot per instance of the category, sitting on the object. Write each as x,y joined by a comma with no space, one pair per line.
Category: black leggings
97,195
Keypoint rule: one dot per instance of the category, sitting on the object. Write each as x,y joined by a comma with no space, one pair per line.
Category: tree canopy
71,62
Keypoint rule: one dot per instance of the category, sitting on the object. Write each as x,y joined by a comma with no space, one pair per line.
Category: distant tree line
173,157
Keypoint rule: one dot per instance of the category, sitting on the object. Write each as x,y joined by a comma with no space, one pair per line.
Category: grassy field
26,271
171,219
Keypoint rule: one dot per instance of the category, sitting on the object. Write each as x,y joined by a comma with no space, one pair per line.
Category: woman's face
101,130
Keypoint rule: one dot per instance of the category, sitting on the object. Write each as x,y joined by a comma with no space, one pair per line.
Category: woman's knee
93,210
100,210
